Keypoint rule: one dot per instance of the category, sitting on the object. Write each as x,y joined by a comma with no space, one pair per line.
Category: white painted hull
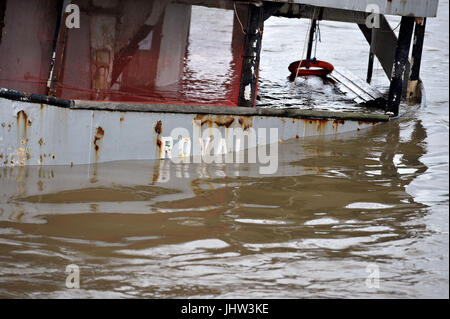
39,134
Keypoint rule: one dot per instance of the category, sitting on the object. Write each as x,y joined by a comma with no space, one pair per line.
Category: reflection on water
334,206
159,229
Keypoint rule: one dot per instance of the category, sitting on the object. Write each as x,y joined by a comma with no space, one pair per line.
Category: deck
416,8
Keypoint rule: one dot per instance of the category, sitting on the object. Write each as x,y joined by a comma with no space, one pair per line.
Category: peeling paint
19,157
246,122
218,120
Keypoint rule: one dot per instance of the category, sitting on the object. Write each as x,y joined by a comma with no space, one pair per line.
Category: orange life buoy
320,68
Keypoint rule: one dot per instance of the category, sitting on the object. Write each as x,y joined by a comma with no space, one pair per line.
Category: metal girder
416,8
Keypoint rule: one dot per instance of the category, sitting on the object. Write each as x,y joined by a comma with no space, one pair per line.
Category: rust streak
199,117
98,137
336,124
365,122
158,128
22,117
246,122
226,121
219,120
158,131
319,124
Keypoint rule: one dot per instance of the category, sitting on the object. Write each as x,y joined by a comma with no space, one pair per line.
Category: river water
338,211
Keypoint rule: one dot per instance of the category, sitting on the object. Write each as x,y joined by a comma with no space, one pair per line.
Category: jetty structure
90,81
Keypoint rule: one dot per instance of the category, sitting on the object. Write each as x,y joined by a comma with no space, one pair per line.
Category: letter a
73,19
73,279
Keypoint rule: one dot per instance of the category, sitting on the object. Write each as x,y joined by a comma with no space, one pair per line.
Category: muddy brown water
336,207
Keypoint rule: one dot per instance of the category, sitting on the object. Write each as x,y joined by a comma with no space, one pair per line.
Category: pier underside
133,51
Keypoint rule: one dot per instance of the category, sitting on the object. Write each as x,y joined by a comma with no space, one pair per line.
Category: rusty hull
41,134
